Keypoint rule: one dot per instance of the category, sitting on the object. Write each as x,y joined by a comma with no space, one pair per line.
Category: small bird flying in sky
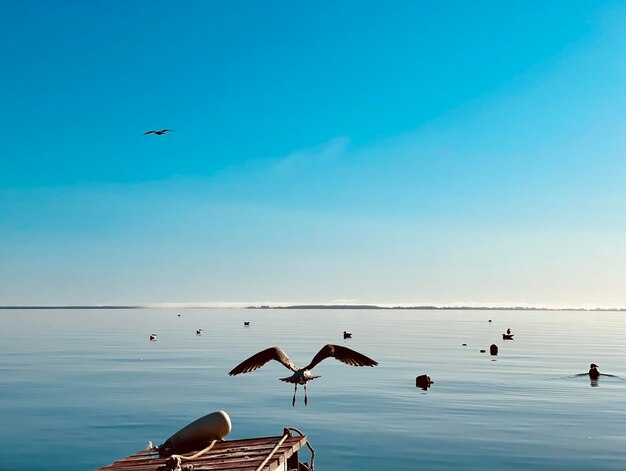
159,133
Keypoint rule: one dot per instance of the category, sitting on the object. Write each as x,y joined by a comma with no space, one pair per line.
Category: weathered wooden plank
236,455
241,453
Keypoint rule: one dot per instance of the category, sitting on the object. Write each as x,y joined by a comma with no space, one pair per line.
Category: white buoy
199,433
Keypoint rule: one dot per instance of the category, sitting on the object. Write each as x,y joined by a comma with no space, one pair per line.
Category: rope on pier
286,435
175,462
269,457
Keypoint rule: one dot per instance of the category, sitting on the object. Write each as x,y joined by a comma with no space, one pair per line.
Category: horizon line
227,305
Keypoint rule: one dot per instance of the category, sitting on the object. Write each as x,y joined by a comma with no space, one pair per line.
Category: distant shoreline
74,307
329,306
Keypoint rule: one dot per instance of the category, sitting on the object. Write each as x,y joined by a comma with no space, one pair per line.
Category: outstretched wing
149,132
257,361
343,354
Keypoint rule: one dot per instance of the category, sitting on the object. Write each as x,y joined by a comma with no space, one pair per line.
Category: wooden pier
254,454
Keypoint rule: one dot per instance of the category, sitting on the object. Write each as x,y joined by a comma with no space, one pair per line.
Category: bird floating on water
246,324
199,331
302,375
507,336
153,337
159,133
593,371
347,335
424,382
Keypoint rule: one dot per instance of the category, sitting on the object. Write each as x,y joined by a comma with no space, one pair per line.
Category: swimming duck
153,337
593,371
347,335
507,336
423,381
198,331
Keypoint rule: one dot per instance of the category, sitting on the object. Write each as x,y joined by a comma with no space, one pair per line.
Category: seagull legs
305,398
293,401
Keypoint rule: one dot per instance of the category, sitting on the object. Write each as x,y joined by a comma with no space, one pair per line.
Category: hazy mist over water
82,388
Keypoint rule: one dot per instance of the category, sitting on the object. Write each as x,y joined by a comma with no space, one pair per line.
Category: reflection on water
79,389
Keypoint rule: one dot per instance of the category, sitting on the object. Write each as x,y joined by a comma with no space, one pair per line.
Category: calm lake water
82,388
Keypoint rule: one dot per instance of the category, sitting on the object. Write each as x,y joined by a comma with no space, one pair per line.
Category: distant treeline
430,308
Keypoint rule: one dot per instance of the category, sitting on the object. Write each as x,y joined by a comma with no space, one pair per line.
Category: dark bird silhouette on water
424,382
153,337
507,336
246,324
159,133
302,375
199,331
593,371
347,335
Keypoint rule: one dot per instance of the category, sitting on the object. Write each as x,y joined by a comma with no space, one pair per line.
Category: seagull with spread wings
158,133
302,375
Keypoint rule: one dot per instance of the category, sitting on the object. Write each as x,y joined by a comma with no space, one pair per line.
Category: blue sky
413,152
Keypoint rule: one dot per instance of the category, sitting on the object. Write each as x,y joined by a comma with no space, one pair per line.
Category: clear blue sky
405,152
